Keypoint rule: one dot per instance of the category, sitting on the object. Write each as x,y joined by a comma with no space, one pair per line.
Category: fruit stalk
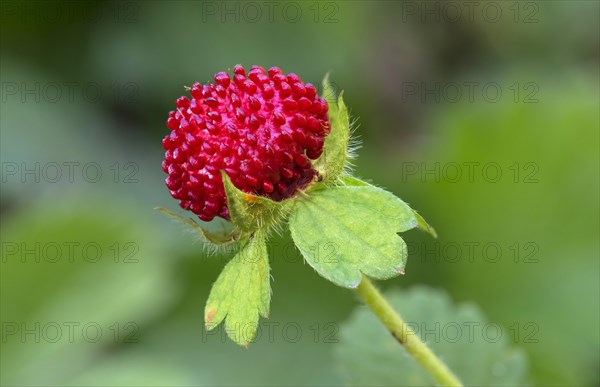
404,335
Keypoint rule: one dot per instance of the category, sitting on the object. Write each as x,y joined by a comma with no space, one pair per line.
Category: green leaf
241,293
343,231
226,236
335,151
250,212
470,345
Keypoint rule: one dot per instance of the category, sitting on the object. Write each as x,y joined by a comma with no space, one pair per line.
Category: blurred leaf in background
473,348
523,243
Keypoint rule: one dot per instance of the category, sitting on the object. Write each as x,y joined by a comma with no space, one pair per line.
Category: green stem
405,336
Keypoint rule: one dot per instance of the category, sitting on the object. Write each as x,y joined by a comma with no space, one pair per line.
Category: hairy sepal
214,239
250,212
336,150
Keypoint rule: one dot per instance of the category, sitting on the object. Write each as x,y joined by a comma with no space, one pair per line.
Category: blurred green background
484,117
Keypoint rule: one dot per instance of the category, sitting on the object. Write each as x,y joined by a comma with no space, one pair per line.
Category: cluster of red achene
262,129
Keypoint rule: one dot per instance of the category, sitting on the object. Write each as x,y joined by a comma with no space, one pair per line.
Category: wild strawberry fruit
261,128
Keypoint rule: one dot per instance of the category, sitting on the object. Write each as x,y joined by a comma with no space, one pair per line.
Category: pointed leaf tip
208,316
423,225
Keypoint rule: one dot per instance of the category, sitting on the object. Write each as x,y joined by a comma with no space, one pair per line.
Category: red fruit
262,129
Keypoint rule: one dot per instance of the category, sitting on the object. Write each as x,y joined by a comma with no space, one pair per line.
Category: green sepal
242,292
344,231
332,161
227,236
330,96
251,212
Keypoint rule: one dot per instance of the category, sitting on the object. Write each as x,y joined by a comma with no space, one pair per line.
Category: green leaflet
343,231
335,151
241,293
250,212
472,346
226,236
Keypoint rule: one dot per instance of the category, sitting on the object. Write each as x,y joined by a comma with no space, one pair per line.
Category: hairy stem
405,336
